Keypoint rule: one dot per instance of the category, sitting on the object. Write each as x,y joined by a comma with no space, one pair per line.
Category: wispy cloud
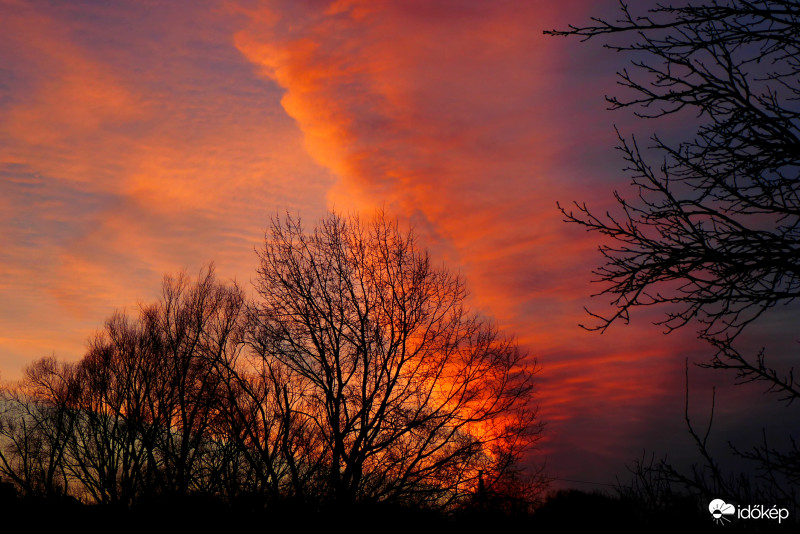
461,118
134,140
137,138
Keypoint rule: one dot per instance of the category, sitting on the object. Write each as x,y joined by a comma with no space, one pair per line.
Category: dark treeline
357,376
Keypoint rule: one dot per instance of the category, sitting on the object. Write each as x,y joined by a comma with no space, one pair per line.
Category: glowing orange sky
139,138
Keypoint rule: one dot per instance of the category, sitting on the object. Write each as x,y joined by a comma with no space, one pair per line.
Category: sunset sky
141,138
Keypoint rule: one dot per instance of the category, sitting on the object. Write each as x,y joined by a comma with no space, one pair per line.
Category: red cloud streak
462,119
137,139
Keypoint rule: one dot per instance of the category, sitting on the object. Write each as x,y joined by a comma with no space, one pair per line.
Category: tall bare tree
409,394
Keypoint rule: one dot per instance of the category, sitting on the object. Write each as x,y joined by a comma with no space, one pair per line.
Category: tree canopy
357,375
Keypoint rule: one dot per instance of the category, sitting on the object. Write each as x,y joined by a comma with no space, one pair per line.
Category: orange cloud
128,151
457,117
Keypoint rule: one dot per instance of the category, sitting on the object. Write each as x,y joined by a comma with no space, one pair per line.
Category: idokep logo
719,509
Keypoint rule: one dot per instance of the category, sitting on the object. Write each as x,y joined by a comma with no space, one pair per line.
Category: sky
142,138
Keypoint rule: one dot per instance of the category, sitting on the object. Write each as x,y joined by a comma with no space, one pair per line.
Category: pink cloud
460,117
128,150
131,150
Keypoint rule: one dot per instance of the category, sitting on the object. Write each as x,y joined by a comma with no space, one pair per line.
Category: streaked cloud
462,119
137,138
134,140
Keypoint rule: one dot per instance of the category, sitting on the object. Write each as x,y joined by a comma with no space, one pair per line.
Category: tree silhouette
715,230
35,425
193,327
408,394
358,377
135,418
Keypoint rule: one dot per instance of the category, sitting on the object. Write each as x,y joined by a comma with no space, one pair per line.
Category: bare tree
715,229
713,233
360,375
35,425
107,454
194,326
282,453
146,399
404,394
